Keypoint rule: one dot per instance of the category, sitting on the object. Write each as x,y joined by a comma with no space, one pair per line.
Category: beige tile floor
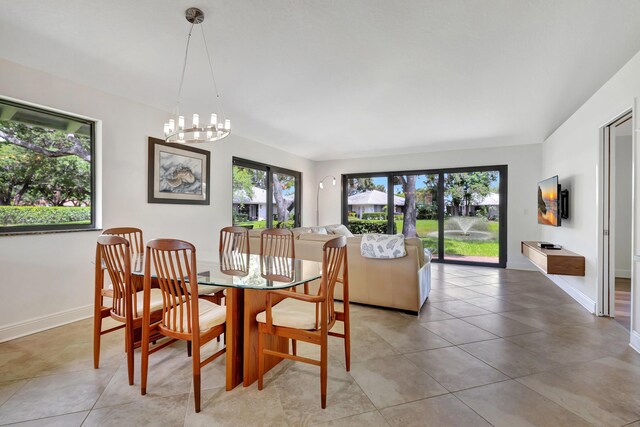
490,347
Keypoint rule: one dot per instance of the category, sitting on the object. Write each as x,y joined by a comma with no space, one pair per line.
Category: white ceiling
332,79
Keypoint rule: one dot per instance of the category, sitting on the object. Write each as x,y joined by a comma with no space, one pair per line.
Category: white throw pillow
340,230
384,246
319,230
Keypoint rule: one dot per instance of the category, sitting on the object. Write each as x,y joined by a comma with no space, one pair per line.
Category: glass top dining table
247,271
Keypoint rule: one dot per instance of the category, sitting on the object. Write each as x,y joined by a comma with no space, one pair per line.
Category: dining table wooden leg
234,336
255,301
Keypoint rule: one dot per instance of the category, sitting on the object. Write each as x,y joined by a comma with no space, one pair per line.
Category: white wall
572,152
523,173
48,279
623,173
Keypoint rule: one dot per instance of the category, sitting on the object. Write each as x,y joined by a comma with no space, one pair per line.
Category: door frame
606,214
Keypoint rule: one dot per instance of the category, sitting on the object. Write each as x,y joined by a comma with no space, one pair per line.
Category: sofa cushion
305,230
383,246
256,232
317,237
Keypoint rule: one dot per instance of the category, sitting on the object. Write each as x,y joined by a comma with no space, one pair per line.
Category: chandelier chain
213,77
184,69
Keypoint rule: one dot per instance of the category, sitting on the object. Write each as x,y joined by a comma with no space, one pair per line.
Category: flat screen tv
548,206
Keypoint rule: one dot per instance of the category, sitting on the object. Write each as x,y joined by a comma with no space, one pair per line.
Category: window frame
56,228
502,190
270,170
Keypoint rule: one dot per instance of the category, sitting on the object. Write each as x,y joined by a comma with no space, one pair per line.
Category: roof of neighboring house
259,197
491,199
373,197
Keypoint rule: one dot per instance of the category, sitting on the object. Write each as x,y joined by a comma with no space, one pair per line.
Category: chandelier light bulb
166,129
181,136
334,182
181,123
214,119
227,124
196,120
172,125
209,134
321,186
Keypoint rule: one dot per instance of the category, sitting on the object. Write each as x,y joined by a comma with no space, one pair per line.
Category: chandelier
218,127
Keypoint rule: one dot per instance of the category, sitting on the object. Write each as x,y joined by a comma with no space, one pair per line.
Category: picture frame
178,174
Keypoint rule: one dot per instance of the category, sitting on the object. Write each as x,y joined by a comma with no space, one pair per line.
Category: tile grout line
553,401
46,418
26,381
468,388
473,410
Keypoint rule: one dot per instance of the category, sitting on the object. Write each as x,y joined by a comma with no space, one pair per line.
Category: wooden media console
554,261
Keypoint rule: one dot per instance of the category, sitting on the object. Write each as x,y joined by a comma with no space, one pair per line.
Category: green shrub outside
379,216
427,212
43,215
369,226
374,215
240,217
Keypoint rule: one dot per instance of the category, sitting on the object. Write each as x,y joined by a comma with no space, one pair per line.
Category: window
459,213
46,170
254,184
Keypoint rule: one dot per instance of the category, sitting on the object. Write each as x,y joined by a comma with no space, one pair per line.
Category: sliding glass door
417,215
472,217
459,214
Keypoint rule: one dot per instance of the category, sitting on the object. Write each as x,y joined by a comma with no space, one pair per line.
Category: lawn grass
485,248
465,248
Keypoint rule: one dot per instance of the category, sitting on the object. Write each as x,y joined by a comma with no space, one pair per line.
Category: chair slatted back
277,242
277,268
234,239
132,234
114,254
234,263
334,260
174,262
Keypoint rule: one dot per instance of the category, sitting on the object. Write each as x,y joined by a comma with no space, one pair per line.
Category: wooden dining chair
234,239
132,234
234,263
277,268
194,320
307,318
101,310
113,254
277,242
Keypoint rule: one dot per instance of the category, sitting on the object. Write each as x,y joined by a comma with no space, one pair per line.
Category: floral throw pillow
382,246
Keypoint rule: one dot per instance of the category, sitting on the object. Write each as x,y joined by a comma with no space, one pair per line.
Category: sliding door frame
502,191
270,170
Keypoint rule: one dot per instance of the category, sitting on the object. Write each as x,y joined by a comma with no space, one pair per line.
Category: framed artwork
178,174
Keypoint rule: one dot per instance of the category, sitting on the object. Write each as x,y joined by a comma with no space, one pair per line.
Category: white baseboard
581,298
635,341
521,266
20,329
625,274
